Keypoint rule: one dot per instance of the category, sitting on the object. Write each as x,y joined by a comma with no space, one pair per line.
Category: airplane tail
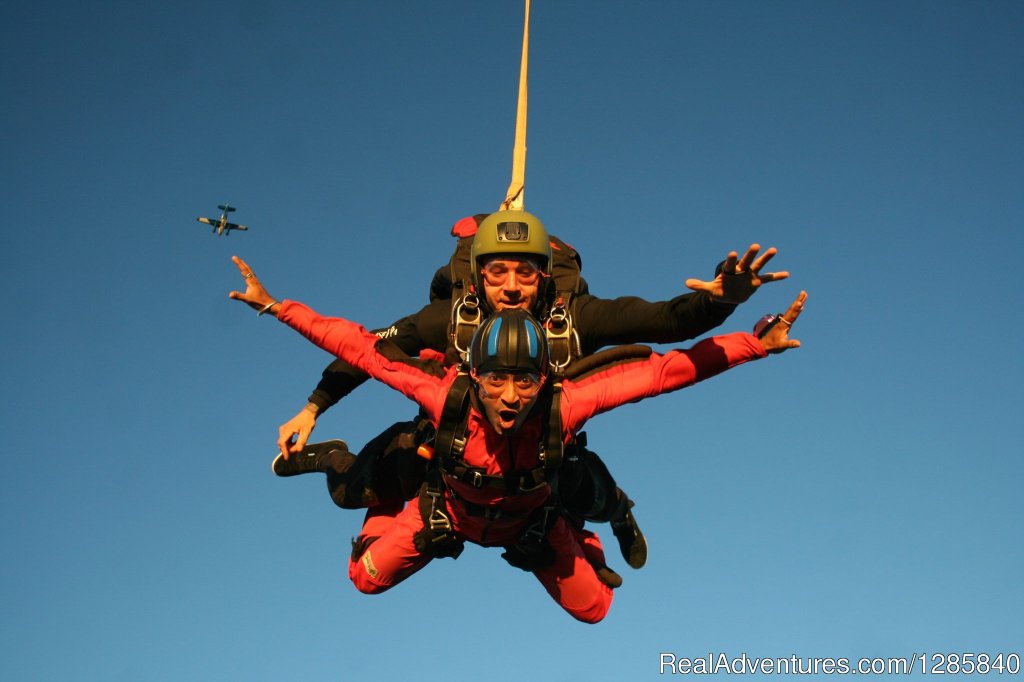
226,207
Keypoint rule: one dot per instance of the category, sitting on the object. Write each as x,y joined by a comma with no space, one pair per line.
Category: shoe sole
641,560
338,445
636,557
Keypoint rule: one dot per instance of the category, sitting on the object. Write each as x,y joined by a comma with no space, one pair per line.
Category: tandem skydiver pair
496,456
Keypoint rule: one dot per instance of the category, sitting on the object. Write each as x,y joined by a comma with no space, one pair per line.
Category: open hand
740,277
255,295
777,339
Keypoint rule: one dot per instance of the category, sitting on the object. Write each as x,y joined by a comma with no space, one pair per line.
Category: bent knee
591,610
365,576
367,587
365,583
590,616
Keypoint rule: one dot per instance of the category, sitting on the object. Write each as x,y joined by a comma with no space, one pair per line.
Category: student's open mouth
507,417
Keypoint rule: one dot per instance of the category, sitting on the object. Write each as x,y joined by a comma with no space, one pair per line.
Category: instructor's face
510,283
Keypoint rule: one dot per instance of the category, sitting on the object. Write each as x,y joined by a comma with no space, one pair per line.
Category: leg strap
437,538
532,551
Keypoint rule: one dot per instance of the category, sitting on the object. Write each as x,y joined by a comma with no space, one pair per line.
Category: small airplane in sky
221,225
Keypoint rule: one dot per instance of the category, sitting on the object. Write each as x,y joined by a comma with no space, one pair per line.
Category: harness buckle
437,520
478,480
534,480
559,332
536,532
466,317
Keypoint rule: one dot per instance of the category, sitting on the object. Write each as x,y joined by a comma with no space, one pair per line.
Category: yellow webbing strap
514,196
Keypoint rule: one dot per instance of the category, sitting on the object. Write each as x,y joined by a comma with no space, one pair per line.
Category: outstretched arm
303,423
629,319
412,334
739,277
345,339
602,322
369,353
427,328
633,381
340,378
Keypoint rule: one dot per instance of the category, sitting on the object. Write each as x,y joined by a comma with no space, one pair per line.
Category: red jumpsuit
570,580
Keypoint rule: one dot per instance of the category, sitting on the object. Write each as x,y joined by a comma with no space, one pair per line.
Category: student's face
507,398
510,282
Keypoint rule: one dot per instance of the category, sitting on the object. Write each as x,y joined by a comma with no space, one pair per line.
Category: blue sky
859,497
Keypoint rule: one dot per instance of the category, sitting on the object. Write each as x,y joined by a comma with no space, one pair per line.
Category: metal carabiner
465,314
559,332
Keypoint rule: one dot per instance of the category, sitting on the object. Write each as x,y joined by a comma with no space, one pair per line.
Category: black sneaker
315,458
632,542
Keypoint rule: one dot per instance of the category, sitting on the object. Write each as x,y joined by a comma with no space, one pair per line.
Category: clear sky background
859,497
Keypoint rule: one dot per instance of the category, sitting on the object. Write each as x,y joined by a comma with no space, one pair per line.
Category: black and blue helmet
509,341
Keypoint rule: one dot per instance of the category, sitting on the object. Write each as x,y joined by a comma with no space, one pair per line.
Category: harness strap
609,357
487,512
551,438
437,537
532,551
450,440
537,531
511,484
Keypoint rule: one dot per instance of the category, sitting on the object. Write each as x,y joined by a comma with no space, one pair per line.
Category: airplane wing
207,221
234,226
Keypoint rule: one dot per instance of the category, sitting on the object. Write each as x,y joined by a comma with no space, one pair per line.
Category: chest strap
511,484
486,511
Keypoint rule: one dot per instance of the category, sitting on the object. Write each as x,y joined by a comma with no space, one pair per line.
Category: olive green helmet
513,233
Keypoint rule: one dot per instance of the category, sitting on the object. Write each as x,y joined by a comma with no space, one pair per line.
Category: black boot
632,542
330,456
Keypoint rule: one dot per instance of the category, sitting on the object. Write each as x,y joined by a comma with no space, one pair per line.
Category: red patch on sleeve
464,228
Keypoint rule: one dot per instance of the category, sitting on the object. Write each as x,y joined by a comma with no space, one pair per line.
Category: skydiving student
515,274
503,499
